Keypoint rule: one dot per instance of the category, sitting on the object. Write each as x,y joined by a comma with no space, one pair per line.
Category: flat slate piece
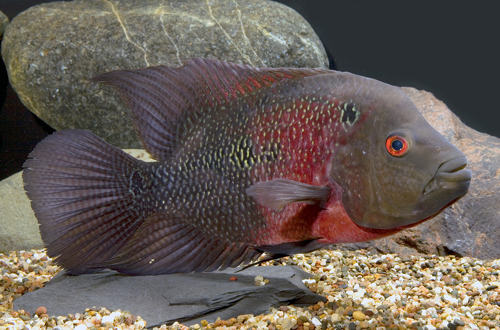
187,298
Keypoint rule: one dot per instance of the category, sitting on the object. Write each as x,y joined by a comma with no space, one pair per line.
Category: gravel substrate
364,291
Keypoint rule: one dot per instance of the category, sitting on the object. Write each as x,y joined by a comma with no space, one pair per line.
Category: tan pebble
244,317
218,322
286,323
360,316
204,323
231,321
335,318
364,324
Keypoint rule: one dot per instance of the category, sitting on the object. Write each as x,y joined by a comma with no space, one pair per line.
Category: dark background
450,48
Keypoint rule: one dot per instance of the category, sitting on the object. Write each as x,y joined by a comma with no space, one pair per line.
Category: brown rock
41,310
470,227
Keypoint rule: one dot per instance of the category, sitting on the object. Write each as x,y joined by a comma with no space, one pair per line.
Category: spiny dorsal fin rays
165,102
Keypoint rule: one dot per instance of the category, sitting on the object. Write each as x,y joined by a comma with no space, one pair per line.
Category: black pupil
397,145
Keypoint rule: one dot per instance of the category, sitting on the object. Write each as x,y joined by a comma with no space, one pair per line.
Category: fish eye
396,145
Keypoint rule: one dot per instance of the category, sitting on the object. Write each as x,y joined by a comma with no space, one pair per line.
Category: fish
249,162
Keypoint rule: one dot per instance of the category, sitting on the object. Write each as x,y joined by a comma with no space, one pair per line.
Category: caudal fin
86,196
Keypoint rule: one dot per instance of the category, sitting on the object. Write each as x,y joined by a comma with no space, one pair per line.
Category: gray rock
4,21
187,298
51,50
18,225
469,227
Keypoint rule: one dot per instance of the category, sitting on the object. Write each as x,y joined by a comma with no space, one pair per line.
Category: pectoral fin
277,193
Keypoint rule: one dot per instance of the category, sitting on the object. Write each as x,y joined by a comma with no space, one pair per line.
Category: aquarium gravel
363,291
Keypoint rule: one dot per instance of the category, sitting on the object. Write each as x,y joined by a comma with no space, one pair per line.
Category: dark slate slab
187,298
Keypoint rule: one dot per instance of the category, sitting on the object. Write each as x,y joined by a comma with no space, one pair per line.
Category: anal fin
165,244
277,251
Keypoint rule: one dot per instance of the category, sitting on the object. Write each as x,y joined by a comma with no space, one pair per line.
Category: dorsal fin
165,102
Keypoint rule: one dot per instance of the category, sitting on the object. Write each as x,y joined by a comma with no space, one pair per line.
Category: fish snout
451,176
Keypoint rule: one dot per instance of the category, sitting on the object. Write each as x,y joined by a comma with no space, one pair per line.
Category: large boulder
4,21
52,50
18,225
470,227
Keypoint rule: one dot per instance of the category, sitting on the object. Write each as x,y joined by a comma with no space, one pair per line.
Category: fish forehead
337,87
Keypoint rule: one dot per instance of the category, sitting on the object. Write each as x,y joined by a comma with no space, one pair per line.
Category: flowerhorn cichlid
250,160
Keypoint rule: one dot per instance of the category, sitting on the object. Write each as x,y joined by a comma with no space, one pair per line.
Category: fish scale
249,161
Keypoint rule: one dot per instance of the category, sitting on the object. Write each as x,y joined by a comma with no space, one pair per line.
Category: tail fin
85,194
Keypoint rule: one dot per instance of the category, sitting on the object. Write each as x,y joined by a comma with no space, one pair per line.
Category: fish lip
450,175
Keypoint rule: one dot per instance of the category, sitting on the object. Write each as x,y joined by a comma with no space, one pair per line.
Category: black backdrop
450,48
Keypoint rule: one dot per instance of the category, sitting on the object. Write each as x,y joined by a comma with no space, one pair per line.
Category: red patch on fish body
306,132
334,226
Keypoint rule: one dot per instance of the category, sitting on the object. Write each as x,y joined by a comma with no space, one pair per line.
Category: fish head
395,169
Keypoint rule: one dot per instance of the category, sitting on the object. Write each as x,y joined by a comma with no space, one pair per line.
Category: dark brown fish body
250,160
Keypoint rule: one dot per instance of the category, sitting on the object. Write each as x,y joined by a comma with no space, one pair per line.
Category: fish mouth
449,183
450,176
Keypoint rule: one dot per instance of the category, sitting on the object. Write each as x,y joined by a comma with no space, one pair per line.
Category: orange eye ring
396,145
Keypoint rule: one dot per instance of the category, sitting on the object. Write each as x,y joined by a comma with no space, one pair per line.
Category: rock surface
470,227
4,21
51,51
18,225
187,298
